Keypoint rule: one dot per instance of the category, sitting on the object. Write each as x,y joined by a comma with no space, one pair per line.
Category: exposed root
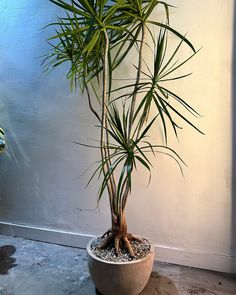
134,238
128,246
107,242
107,233
119,241
118,237
117,244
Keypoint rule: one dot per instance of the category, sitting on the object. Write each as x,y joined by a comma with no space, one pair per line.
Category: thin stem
104,135
138,77
90,103
125,197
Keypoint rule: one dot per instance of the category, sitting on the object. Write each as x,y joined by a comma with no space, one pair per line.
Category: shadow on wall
233,214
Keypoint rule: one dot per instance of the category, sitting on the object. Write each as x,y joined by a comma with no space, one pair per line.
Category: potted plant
97,38
2,140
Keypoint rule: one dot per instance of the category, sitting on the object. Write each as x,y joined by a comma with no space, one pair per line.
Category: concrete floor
35,268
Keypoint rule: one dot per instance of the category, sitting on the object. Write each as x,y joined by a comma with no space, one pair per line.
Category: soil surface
141,249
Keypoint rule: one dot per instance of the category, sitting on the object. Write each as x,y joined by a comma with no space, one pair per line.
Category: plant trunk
118,236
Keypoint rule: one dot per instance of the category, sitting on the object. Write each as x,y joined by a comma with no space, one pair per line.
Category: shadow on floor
6,261
157,285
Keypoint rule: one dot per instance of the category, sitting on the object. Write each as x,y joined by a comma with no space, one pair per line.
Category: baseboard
196,258
45,235
192,258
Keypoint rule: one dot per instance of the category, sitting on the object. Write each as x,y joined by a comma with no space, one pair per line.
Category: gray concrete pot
120,278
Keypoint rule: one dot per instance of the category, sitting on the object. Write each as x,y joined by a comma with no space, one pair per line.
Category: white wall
188,219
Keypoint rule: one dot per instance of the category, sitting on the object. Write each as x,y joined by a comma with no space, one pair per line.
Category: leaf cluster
96,37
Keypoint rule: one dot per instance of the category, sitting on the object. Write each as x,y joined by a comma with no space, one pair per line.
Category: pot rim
90,253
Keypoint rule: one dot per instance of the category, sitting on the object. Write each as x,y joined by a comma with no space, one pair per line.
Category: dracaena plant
95,38
2,140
